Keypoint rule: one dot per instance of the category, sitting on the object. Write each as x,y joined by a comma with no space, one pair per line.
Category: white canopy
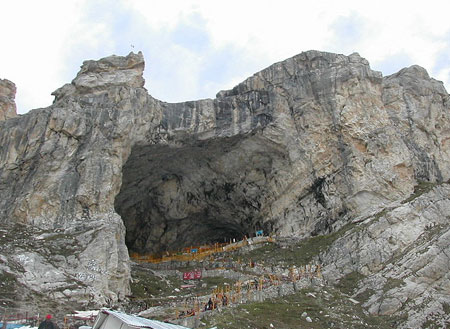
108,319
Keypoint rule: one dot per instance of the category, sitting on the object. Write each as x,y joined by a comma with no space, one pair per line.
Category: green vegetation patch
392,283
364,296
153,289
421,188
380,214
348,283
302,253
211,282
325,307
431,324
309,248
145,285
280,312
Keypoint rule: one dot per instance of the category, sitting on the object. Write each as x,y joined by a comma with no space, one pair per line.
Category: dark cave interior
198,193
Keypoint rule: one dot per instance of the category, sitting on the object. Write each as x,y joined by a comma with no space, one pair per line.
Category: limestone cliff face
401,257
296,149
60,171
7,103
299,149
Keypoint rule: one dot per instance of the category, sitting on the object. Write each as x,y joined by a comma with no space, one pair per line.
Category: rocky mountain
318,144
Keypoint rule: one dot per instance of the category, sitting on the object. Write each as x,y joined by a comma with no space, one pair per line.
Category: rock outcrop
7,103
401,256
301,148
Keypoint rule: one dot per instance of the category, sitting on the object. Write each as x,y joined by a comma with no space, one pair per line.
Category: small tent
108,319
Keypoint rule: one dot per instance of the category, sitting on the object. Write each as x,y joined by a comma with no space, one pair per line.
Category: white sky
195,48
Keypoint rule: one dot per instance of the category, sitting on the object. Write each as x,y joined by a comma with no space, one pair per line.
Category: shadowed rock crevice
202,192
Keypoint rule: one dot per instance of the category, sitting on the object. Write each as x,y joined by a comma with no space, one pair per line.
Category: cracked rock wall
297,149
403,255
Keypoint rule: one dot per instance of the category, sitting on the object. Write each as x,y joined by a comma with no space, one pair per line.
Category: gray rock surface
7,96
403,255
301,148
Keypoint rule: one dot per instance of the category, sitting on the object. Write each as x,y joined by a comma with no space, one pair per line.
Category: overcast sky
193,49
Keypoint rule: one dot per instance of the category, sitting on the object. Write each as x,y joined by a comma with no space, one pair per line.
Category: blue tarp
12,325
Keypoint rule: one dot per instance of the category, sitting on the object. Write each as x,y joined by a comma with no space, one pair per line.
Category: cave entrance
209,191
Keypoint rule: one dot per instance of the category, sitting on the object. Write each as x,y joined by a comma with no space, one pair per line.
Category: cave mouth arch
198,193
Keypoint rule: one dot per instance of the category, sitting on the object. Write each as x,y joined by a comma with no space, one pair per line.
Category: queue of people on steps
213,302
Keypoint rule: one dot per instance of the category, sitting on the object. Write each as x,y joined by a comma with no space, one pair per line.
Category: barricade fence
15,317
243,290
10,315
197,252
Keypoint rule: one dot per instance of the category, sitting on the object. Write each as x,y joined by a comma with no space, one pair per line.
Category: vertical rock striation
298,149
61,169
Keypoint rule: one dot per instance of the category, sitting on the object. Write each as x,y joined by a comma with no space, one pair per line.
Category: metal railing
197,252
